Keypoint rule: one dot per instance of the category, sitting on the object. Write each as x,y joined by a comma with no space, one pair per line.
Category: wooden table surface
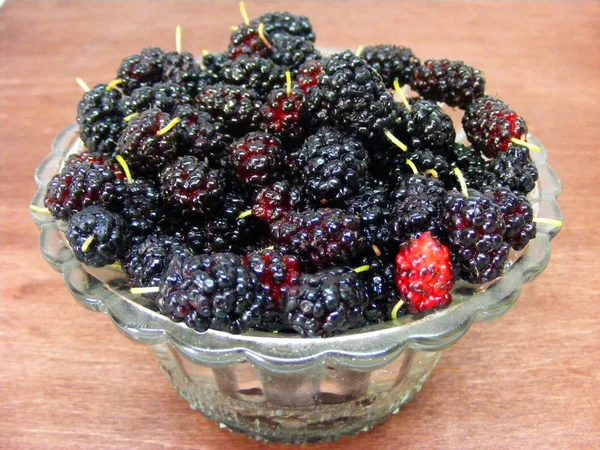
528,380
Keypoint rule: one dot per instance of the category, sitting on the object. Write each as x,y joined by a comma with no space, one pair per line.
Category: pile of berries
269,187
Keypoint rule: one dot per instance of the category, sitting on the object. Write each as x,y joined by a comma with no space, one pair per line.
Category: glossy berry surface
490,124
273,202
145,151
450,82
518,216
211,291
258,158
276,272
333,166
392,62
107,232
475,230
163,96
141,69
190,188
100,118
322,238
78,186
237,108
424,274
146,262
352,97
326,303
308,74
415,206
277,23
514,169
285,115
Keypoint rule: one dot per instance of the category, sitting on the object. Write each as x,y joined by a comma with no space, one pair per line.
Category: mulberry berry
451,82
163,96
144,150
518,215
190,188
97,236
490,124
145,263
475,229
258,158
285,115
323,238
424,274
211,291
142,69
273,202
78,186
326,303
100,119
237,108
391,62
333,166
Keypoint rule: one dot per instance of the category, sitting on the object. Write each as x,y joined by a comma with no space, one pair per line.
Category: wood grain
528,380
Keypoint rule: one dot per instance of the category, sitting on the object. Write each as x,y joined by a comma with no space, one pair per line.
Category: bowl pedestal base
320,404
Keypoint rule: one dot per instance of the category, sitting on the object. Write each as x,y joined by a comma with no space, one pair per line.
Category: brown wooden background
529,380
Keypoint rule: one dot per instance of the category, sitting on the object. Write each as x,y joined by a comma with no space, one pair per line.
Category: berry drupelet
97,236
258,158
490,124
146,262
145,151
424,274
373,209
237,108
278,23
141,207
326,303
514,169
253,72
517,213
142,69
163,96
199,136
190,188
308,74
351,96
211,291
285,115
322,238
78,186
101,119
425,127
273,202
475,229
333,166
391,62
416,207
451,82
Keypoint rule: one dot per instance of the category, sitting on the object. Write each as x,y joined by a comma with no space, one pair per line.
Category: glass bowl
289,389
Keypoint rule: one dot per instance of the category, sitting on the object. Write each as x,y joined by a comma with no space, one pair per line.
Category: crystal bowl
289,389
